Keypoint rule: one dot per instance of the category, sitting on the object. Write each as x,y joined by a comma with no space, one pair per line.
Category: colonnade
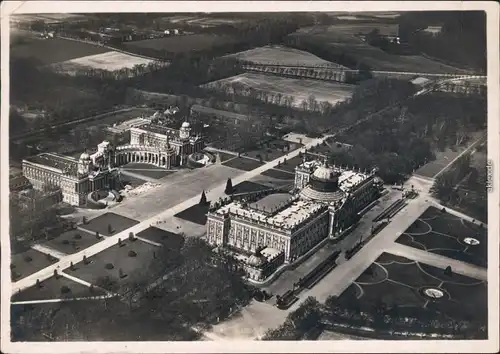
153,158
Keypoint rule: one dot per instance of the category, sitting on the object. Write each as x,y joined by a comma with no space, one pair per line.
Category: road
213,194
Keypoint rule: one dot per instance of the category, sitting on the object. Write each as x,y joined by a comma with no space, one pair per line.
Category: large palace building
263,233
150,143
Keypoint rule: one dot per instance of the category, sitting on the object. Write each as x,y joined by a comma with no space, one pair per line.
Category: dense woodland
398,144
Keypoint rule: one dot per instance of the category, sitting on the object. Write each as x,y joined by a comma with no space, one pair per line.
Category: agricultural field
344,39
280,55
109,61
54,50
181,44
298,89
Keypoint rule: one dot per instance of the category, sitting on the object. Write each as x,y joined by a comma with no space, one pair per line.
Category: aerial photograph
300,176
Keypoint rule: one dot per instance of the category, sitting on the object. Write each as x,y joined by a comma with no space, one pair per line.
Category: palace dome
323,185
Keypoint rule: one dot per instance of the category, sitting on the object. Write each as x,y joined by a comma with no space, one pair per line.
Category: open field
180,44
444,158
109,61
72,241
51,288
405,283
282,56
133,267
343,39
29,262
448,235
100,224
299,89
54,50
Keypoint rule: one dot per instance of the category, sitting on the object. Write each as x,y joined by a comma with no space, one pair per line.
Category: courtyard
101,224
438,232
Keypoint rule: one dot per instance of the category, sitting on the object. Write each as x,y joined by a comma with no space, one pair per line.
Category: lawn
248,187
448,235
298,88
51,288
49,51
72,241
196,214
181,44
133,267
278,174
242,163
406,285
109,61
443,158
291,164
100,224
147,170
166,238
29,262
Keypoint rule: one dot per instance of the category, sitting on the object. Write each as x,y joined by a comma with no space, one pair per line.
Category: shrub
28,259
443,210
65,242
131,236
65,289
110,229
132,253
77,237
109,266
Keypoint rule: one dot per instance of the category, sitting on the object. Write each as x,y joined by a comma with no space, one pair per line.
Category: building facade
325,202
149,143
